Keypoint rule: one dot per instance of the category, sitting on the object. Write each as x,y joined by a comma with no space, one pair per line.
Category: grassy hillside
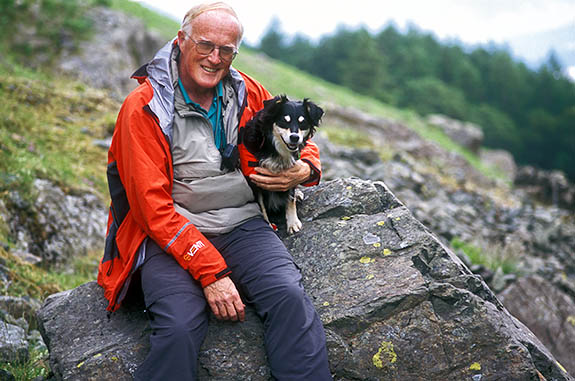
281,78
48,126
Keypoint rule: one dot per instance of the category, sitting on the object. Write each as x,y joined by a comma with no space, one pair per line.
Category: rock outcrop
120,45
395,302
505,224
547,311
466,134
53,226
551,187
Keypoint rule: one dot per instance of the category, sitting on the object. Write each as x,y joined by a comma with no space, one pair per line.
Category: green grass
490,257
36,282
36,366
47,129
163,24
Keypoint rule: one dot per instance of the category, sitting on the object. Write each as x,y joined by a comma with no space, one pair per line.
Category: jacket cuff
314,176
209,279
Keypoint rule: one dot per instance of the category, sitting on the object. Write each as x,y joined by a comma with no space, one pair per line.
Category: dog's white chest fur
285,159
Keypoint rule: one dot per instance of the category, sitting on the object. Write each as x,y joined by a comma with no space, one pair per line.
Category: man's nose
214,56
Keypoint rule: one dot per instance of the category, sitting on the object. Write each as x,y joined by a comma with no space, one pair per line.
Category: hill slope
55,129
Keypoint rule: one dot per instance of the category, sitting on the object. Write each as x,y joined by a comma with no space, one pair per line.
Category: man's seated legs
178,318
268,278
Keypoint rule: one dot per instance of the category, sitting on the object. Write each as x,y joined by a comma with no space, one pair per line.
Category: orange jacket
140,178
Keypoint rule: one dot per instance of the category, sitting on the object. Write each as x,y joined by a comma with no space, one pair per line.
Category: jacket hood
159,74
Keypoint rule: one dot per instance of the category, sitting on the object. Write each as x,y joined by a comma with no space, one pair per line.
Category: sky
512,22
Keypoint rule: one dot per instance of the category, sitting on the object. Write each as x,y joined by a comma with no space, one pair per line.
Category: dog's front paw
298,195
293,225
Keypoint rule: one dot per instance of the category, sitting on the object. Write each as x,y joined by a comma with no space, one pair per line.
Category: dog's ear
314,112
278,100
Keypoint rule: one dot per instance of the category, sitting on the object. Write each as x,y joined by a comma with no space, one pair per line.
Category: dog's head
293,121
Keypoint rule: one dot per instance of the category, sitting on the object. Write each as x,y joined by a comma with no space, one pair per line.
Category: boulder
548,312
550,187
13,343
467,134
501,159
53,225
121,44
396,304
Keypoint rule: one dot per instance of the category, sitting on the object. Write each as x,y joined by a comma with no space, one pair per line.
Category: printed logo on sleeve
195,247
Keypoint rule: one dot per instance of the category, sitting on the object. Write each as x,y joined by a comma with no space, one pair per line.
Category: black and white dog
275,136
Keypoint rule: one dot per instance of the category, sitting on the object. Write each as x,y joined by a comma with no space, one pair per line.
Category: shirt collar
217,96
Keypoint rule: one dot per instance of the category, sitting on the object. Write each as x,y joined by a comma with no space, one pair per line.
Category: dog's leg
293,223
298,195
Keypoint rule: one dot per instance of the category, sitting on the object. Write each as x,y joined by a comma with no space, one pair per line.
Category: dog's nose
294,138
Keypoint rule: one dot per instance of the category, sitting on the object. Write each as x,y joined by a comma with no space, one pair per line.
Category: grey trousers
266,277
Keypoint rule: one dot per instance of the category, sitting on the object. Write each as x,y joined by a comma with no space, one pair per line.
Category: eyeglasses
205,48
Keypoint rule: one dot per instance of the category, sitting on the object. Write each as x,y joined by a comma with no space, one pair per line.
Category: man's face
199,72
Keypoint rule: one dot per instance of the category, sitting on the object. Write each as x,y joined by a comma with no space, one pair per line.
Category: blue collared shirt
214,114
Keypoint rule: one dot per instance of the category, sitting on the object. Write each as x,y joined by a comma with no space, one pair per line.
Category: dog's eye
300,119
287,118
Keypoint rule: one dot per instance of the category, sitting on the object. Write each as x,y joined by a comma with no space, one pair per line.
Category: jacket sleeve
144,164
256,94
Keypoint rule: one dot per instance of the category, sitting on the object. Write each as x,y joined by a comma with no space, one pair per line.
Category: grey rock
13,343
123,44
403,308
501,159
466,134
548,312
54,225
551,187
20,307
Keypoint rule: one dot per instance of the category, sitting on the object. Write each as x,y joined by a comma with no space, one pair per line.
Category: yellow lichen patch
386,251
114,358
571,320
80,364
97,356
385,353
349,187
370,276
397,218
365,260
377,244
381,223
475,366
325,304
345,218
560,366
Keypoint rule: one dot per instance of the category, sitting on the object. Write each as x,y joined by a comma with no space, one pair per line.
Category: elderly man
183,219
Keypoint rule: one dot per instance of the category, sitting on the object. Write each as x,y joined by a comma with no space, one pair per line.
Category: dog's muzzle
294,142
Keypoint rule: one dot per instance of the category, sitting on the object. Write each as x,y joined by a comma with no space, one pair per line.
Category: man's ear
181,37
314,112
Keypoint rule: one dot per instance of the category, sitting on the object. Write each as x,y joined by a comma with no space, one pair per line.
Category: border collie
275,136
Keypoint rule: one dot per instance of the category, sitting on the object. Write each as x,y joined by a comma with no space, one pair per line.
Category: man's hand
224,300
281,181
